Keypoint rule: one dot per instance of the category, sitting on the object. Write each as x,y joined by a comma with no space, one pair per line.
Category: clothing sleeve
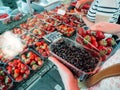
108,8
112,83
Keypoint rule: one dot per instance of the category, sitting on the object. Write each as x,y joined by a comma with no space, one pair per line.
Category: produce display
32,59
96,40
84,56
83,59
42,48
5,81
18,70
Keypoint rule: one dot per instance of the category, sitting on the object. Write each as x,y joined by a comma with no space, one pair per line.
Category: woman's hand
106,27
70,82
80,3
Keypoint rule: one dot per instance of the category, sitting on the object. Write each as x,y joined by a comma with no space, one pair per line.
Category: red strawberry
17,71
32,63
81,32
1,77
27,72
103,42
94,43
93,38
110,41
9,69
103,50
44,54
109,50
100,35
10,64
40,62
88,32
104,58
19,78
34,67
22,71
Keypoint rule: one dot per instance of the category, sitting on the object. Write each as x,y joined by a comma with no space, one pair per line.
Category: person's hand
106,27
70,82
80,3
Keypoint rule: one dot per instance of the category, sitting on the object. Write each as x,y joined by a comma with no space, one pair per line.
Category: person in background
111,83
104,10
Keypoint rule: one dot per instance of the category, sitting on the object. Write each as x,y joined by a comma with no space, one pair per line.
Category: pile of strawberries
96,40
18,31
5,80
42,48
29,39
32,59
18,70
38,33
65,30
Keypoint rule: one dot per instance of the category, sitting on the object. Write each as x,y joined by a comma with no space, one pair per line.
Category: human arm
70,82
106,27
80,3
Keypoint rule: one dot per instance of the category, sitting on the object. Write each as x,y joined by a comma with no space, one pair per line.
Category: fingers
77,5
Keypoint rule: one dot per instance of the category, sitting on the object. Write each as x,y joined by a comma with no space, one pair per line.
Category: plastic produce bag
23,7
10,44
4,9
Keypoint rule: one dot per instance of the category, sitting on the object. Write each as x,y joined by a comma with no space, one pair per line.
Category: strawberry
27,61
103,50
19,78
27,72
104,58
110,41
17,71
94,43
109,50
22,71
7,80
32,56
34,67
15,75
100,35
9,69
93,38
81,32
88,32
32,63
10,64
40,62
44,54
103,42
1,77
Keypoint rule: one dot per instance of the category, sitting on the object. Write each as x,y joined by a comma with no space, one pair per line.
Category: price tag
60,11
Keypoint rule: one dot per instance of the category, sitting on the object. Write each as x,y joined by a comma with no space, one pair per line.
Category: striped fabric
105,8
